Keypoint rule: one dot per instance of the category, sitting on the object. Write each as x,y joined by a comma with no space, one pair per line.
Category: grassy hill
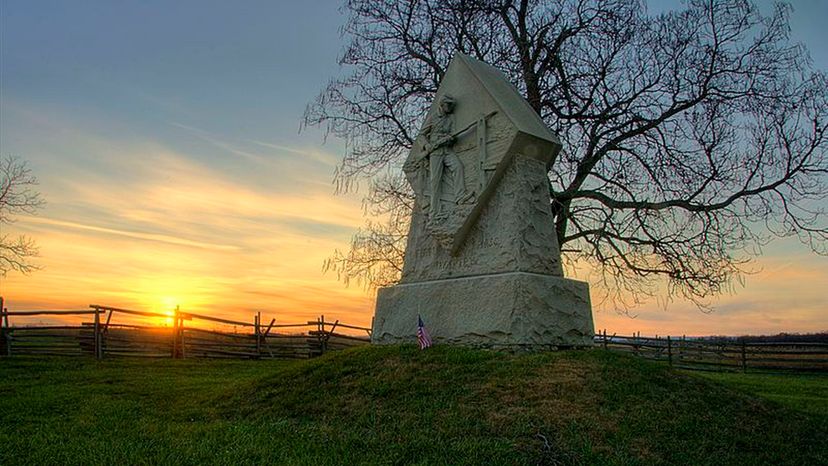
397,405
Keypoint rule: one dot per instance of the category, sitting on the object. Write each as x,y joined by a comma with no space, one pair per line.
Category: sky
165,137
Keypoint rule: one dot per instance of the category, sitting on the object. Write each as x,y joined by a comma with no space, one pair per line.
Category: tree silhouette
17,196
690,138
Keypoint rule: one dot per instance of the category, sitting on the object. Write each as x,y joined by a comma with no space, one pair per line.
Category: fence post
669,351
257,319
605,339
108,318
8,329
266,333
180,333
4,329
323,341
175,334
97,338
744,356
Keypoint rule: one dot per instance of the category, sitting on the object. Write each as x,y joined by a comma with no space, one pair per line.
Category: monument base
515,310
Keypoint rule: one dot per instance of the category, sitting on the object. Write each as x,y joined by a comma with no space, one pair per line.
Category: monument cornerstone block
482,265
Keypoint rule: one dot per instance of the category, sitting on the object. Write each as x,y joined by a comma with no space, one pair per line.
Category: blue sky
166,138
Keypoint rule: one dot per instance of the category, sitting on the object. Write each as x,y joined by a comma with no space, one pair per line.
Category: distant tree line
818,337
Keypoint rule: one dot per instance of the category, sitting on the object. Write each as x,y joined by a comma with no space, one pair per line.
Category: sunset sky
165,139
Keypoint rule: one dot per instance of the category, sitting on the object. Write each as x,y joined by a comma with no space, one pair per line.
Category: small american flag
423,339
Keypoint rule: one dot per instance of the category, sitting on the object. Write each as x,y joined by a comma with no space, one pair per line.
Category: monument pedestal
514,310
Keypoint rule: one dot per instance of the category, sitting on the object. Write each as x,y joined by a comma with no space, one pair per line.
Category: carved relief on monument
449,166
514,232
477,123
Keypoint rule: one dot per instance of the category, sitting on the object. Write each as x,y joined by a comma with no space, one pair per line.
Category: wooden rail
105,337
739,354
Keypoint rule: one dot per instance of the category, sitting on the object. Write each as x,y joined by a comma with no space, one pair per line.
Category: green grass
398,405
807,393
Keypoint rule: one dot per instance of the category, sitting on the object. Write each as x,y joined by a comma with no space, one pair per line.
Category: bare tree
691,138
377,249
17,196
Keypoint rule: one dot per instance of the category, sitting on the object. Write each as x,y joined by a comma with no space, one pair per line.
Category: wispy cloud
217,141
322,157
131,234
275,150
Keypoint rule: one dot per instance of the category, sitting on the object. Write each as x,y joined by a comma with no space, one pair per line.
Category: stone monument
482,265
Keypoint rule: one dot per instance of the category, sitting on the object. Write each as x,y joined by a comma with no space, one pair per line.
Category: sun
169,319
167,305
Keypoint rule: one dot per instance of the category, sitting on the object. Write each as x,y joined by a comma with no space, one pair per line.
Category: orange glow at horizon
152,284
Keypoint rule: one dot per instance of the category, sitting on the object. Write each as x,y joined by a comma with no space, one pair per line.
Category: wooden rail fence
735,354
102,336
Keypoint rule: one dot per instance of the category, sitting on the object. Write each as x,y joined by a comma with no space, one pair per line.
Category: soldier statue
442,159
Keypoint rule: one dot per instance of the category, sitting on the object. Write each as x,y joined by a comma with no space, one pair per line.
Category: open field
807,393
397,405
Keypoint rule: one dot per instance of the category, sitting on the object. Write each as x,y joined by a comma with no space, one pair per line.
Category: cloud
215,140
312,153
130,234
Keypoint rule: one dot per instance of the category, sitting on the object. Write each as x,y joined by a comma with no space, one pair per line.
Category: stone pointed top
476,126
507,97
